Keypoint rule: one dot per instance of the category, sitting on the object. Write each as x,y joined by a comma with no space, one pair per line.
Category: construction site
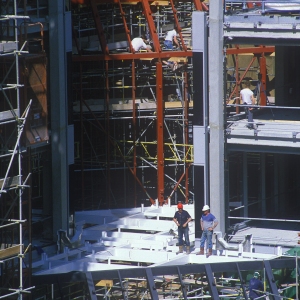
101,141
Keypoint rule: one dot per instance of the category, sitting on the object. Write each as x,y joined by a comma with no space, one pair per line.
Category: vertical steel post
160,133
134,127
107,128
186,130
263,72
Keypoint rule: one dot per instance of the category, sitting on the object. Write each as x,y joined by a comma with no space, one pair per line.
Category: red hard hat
179,205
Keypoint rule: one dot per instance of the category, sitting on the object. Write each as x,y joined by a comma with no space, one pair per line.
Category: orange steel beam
263,72
178,25
254,50
200,5
134,127
99,27
126,56
160,133
152,27
127,31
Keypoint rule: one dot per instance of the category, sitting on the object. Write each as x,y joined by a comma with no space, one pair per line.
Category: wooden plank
8,252
106,283
10,182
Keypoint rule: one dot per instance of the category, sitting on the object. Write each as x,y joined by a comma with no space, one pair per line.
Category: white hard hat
205,207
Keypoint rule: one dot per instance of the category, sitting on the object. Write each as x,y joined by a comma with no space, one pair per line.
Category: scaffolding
137,104
19,128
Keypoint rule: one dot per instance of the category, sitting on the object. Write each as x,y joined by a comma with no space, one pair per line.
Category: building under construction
101,141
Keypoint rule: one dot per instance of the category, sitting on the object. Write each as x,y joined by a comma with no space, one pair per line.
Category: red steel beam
178,25
152,27
134,128
127,31
263,72
250,50
99,27
160,133
130,56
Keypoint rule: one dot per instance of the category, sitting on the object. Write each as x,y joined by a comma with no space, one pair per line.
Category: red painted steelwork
99,27
127,31
160,133
254,50
130,56
178,25
152,27
134,127
263,72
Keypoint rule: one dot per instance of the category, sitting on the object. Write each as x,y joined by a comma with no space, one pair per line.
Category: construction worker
182,219
171,36
140,43
247,98
255,286
208,223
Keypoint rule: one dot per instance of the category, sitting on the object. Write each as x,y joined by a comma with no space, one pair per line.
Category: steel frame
160,55
189,279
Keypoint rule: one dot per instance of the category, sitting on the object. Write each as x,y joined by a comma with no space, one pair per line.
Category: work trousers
206,235
183,231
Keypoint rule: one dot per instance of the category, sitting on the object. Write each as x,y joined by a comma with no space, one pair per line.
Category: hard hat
256,275
179,205
205,207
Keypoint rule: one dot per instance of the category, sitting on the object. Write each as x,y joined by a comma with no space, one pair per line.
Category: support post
216,116
200,120
160,133
58,38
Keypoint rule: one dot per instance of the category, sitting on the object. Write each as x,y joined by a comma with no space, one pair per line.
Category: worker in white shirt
247,98
140,43
171,36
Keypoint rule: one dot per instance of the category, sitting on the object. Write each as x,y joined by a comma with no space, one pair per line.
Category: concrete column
200,120
59,115
216,117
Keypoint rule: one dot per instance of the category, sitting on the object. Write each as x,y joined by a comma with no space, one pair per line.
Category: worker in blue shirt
208,223
255,286
182,219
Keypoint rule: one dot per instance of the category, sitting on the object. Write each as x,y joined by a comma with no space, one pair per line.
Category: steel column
271,281
186,131
151,284
107,128
134,127
263,72
211,282
183,287
160,133
91,285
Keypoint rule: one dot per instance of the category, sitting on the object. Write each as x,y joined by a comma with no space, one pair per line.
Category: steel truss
190,281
